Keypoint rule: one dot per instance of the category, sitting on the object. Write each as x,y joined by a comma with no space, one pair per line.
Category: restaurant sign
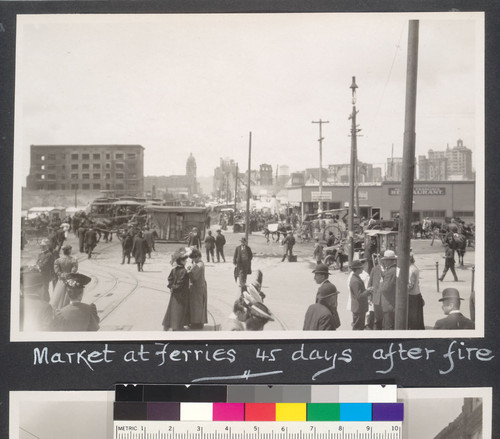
421,190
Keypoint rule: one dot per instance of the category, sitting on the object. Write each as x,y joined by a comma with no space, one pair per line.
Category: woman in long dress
197,292
62,267
415,299
176,316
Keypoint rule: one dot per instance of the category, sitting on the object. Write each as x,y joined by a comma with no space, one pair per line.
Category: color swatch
272,412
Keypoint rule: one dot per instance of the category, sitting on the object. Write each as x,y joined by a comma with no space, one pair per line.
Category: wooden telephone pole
408,173
320,140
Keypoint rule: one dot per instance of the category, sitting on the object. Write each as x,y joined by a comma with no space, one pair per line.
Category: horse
458,242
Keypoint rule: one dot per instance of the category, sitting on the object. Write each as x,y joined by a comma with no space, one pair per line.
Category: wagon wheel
335,229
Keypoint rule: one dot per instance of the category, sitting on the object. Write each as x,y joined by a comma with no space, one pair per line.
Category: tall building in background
451,164
283,175
266,175
115,168
224,180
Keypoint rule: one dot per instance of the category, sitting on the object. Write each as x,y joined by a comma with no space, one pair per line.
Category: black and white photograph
248,176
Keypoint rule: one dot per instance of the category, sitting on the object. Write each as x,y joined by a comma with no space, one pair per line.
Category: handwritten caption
321,361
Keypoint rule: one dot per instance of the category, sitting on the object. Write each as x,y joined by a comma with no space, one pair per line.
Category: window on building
42,177
74,186
85,166
42,158
74,166
108,186
85,176
96,186
119,187
39,186
108,165
51,156
63,186
85,156
86,186
74,156
96,166
96,156
463,213
74,176
51,176
52,167
131,165
119,176
108,156
131,155
108,176
51,187
119,166
96,176
434,213
119,156
42,167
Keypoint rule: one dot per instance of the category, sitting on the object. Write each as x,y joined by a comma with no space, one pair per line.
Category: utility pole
247,216
408,175
235,187
320,140
352,172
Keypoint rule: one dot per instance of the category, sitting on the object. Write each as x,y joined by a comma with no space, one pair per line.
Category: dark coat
220,240
388,289
209,242
198,294
127,243
241,265
77,317
194,240
91,238
359,295
150,236
177,311
455,320
45,263
318,318
140,249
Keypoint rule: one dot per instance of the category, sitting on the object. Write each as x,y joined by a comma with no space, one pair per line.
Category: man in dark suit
220,241
77,316
359,296
45,263
323,315
451,307
91,240
243,262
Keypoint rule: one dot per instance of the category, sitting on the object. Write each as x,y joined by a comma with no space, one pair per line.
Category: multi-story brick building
114,168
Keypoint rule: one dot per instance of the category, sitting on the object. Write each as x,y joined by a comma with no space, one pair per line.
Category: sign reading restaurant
420,191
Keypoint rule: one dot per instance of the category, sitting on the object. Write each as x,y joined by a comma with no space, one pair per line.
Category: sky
180,84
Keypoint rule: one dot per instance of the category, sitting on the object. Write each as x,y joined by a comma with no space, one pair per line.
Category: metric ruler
257,430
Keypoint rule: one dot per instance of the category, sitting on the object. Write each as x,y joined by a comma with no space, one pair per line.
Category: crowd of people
372,298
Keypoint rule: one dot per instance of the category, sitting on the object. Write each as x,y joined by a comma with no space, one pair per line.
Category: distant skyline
199,83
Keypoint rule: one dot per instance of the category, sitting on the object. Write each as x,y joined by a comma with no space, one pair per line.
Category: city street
128,300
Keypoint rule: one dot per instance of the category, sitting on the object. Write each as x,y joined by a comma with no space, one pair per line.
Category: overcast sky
200,83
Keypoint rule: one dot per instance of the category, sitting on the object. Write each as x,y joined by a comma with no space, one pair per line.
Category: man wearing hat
35,313
220,242
243,262
194,239
91,240
451,307
288,243
323,315
77,316
210,246
388,289
45,263
449,262
359,296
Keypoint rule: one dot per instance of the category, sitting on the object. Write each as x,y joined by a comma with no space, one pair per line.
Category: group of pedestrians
62,308
372,299
213,244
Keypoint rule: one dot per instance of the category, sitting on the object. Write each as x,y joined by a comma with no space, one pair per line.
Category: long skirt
59,298
177,313
416,312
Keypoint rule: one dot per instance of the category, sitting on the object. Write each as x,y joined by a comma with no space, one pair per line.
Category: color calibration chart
146,411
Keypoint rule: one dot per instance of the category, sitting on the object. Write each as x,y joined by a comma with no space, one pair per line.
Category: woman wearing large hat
176,316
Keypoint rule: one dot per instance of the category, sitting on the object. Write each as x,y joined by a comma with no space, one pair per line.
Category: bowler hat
243,240
356,264
67,247
321,268
450,293
389,254
75,280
